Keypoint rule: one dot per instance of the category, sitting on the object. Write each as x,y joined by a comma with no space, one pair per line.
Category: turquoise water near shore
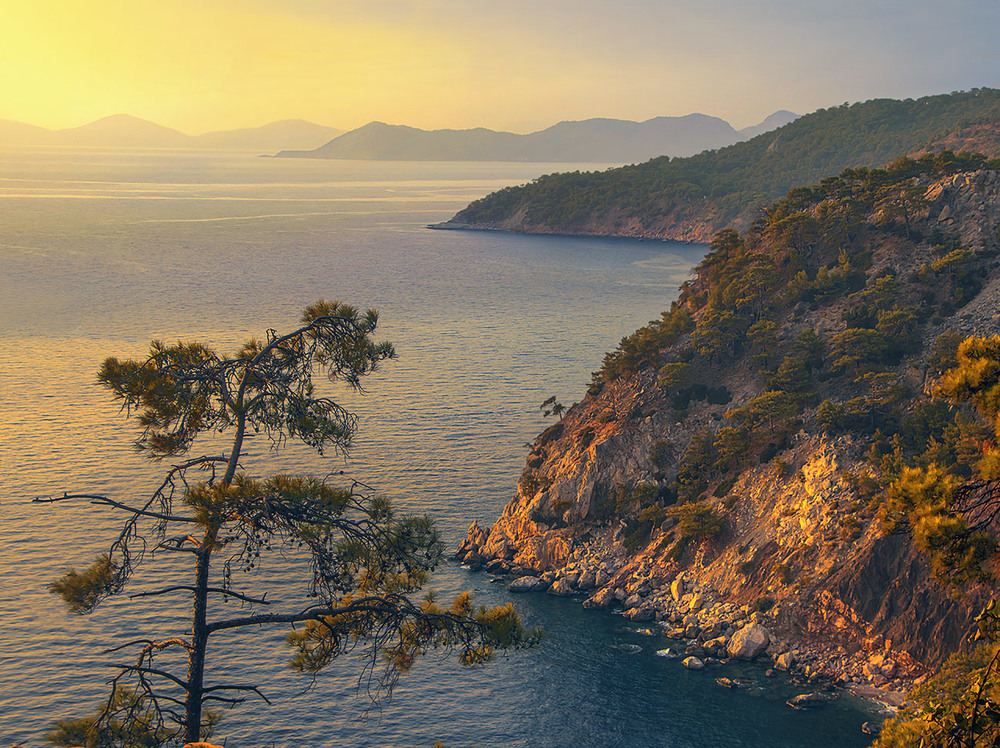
101,252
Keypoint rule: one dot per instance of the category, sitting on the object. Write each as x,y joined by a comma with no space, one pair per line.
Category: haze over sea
100,252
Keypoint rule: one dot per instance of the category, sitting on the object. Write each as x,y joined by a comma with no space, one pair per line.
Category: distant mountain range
125,131
591,140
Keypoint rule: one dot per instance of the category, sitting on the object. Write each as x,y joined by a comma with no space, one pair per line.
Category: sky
202,65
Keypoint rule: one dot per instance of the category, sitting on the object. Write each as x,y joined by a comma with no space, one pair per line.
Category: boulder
560,587
716,646
748,642
587,581
497,566
807,700
677,589
784,661
694,648
474,540
601,599
527,584
644,613
692,663
474,560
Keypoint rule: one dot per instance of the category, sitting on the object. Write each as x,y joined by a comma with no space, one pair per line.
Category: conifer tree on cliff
364,561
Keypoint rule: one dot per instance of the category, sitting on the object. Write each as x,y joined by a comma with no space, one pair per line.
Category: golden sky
516,65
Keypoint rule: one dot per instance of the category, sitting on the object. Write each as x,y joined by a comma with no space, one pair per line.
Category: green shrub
697,521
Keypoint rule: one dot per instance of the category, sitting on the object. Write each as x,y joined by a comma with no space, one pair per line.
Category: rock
870,728
895,699
677,589
497,566
730,683
716,646
748,642
633,601
697,601
668,653
691,631
601,578
713,630
527,584
474,540
561,588
644,613
587,581
692,663
694,648
784,661
807,700
473,560
602,599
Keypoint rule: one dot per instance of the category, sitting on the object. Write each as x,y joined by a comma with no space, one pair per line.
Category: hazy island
598,140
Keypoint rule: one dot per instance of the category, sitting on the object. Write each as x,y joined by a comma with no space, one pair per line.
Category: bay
101,252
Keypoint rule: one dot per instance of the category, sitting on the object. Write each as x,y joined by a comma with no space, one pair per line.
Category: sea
103,251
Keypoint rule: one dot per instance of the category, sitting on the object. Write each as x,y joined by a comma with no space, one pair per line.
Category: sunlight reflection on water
486,326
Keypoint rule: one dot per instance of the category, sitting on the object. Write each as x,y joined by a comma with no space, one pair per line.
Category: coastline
456,226
702,624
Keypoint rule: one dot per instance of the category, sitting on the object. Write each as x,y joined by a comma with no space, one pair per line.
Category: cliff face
804,544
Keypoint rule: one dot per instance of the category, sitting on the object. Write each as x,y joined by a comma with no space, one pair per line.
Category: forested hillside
692,198
802,454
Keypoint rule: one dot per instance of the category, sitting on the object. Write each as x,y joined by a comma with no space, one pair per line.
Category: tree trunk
199,643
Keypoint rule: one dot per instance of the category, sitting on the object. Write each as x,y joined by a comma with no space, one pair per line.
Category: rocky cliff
801,547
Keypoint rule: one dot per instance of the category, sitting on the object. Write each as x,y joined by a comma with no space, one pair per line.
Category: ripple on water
487,327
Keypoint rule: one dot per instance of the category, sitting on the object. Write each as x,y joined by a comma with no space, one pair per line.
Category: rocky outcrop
803,575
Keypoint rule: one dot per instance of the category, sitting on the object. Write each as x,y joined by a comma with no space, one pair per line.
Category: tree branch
365,604
189,588
99,500
150,645
234,687
151,671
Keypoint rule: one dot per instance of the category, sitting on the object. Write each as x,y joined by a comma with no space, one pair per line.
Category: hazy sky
200,65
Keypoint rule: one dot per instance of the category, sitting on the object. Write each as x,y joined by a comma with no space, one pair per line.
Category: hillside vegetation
691,198
836,293
804,448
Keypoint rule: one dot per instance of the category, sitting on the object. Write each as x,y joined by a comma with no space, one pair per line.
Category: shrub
697,521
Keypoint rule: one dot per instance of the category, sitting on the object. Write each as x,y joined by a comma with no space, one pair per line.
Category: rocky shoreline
708,629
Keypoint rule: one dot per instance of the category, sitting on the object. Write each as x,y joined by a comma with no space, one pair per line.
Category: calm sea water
101,252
